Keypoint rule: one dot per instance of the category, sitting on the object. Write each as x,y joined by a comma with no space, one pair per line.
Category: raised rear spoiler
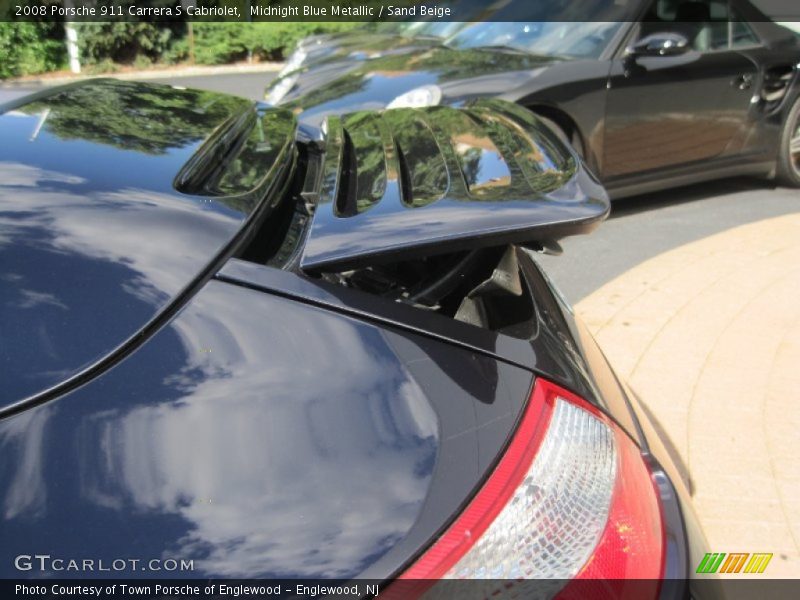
407,183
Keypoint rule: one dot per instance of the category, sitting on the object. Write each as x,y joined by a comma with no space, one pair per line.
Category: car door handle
742,82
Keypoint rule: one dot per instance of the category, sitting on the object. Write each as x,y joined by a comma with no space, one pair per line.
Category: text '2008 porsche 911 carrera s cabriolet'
269,351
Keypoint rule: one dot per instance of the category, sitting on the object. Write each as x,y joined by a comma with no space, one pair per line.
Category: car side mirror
659,44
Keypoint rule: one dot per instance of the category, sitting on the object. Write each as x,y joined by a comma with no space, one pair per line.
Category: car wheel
788,171
571,140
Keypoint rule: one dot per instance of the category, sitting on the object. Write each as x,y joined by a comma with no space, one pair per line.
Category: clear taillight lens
553,522
571,498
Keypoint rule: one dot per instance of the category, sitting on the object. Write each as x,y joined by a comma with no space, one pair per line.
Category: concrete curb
196,71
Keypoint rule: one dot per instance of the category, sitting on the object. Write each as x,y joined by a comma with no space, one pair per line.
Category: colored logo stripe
734,562
757,563
713,562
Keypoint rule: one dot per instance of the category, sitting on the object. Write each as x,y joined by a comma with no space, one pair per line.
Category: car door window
709,25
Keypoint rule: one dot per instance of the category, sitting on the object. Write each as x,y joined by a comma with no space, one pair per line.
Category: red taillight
571,498
634,527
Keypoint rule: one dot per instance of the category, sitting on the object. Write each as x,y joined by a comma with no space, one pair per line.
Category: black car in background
382,39
277,352
652,93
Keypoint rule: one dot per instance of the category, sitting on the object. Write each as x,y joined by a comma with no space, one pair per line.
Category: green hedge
125,43
217,43
31,48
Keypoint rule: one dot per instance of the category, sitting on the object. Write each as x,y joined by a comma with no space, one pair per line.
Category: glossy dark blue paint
243,437
95,239
559,349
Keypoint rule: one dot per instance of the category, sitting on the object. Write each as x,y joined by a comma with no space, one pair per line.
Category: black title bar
344,10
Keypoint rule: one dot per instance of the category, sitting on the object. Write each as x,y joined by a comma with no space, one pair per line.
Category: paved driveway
694,296
708,335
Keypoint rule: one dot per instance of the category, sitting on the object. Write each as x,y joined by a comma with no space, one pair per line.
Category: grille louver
416,182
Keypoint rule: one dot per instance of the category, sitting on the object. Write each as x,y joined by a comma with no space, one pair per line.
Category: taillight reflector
571,498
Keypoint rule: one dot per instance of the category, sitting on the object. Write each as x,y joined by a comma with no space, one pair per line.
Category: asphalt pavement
247,85
645,226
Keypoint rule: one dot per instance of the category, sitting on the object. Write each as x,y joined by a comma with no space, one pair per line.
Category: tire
788,167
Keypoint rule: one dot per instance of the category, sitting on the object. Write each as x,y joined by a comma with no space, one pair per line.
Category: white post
72,43
186,4
72,48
